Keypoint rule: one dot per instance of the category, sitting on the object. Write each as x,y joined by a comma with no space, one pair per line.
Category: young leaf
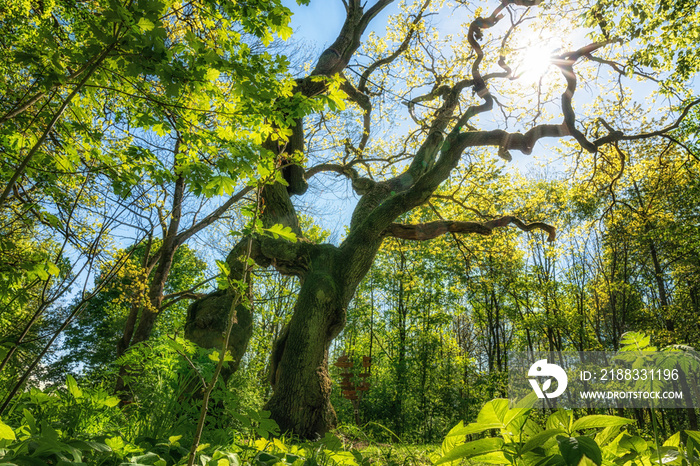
599,420
472,449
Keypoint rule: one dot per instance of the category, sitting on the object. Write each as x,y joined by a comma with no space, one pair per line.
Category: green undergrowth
512,436
76,425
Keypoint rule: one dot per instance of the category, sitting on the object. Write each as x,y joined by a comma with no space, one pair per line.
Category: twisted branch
431,230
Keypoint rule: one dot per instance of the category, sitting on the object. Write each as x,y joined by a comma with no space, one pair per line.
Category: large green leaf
472,449
453,438
539,439
574,449
493,412
599,420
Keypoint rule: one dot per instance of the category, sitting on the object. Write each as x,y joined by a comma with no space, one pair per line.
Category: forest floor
398,454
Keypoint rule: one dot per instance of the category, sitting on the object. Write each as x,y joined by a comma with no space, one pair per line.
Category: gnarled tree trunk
299,366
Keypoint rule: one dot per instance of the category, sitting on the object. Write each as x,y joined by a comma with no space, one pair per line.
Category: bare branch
212,217
431,230
618,136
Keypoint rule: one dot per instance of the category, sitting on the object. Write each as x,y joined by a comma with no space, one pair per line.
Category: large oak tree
461,97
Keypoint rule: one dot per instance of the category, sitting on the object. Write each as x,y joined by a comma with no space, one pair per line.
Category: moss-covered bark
206,324
302,387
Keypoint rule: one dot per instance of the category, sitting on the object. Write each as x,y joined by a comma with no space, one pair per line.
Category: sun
534,63
533,56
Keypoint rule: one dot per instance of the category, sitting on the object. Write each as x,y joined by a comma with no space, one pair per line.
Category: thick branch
336,57
517,141
431,230
566,64
363,101
360,184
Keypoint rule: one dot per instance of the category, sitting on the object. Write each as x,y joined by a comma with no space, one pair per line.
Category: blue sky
321,21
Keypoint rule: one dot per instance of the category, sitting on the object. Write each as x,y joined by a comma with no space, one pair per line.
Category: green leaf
212,74
494,457
148,458
561,419
221,185
599,420
284,32
52,269
453,438
606,435
540,439
574,449
223,268
97,446
145,25
472,449
513,414
281,231
635,341
214,356
161,129
695,435
6,432
111,402
73,388
115,443
52,219
633,442
493,412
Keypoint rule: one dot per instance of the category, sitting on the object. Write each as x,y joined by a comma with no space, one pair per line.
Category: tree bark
299,366
207,318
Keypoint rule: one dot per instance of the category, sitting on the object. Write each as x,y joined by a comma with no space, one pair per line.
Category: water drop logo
542,369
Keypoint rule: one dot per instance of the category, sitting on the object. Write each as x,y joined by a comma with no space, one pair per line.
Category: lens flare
535,62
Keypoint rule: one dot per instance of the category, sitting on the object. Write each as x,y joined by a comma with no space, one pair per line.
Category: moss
207,320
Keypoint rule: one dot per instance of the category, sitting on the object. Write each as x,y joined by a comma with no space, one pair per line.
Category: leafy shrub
563,441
